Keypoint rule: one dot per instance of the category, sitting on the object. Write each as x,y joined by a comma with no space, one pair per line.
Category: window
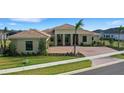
29,45
107,36
84,38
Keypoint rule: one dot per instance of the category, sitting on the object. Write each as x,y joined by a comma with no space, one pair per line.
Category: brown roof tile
64,26
68,27
29,34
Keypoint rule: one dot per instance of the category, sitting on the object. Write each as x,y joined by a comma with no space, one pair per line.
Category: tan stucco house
63,35
28,41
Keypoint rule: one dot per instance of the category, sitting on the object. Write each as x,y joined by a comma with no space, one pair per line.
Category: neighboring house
114,36
28,41
63,35
110,33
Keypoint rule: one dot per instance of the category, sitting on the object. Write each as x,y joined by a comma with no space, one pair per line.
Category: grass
115,44
121,56
55,69
12,62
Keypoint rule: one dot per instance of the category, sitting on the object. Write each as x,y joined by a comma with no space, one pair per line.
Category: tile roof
66,27
29,34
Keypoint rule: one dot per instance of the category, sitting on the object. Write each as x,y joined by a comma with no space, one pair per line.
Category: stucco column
71,39
56,40
63,39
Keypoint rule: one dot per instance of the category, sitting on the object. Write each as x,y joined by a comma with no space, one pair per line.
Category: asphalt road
115,69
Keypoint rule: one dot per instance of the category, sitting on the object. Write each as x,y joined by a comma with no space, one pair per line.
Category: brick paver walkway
87,51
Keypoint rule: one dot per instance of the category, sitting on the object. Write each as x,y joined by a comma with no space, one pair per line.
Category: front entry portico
64,35
66,39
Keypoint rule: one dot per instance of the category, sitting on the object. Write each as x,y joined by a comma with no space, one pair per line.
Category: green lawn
121,56
115,44
12,62
55,69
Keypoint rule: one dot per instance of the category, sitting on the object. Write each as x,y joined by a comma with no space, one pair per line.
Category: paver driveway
87,51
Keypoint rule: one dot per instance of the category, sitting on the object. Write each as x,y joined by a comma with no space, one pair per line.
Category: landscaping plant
12,50
121,28
42,47
111,42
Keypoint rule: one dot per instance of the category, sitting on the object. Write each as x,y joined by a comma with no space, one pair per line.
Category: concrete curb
91,68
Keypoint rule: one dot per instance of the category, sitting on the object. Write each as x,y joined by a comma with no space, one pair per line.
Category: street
115,69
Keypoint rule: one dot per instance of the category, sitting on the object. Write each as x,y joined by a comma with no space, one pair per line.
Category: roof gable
65,27
68,27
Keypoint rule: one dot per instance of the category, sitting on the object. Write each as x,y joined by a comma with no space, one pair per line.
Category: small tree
1,45
4,38
120,29
42,47
12,49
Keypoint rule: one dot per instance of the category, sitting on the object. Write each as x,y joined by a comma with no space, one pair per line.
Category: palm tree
121,28
77,26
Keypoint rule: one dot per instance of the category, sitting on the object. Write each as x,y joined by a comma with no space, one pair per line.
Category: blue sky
45,23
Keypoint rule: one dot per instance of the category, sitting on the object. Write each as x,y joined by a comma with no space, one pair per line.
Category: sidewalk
105,60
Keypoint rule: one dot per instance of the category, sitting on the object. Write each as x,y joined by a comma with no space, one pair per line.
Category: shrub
99,43
25,62
111,41
22,54
82,44
94,43
42,47
11,50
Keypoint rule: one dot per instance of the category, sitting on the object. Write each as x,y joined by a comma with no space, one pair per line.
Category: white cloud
33,20
116,22
12,24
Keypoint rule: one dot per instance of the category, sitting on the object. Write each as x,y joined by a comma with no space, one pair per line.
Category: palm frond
121,28
79,24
